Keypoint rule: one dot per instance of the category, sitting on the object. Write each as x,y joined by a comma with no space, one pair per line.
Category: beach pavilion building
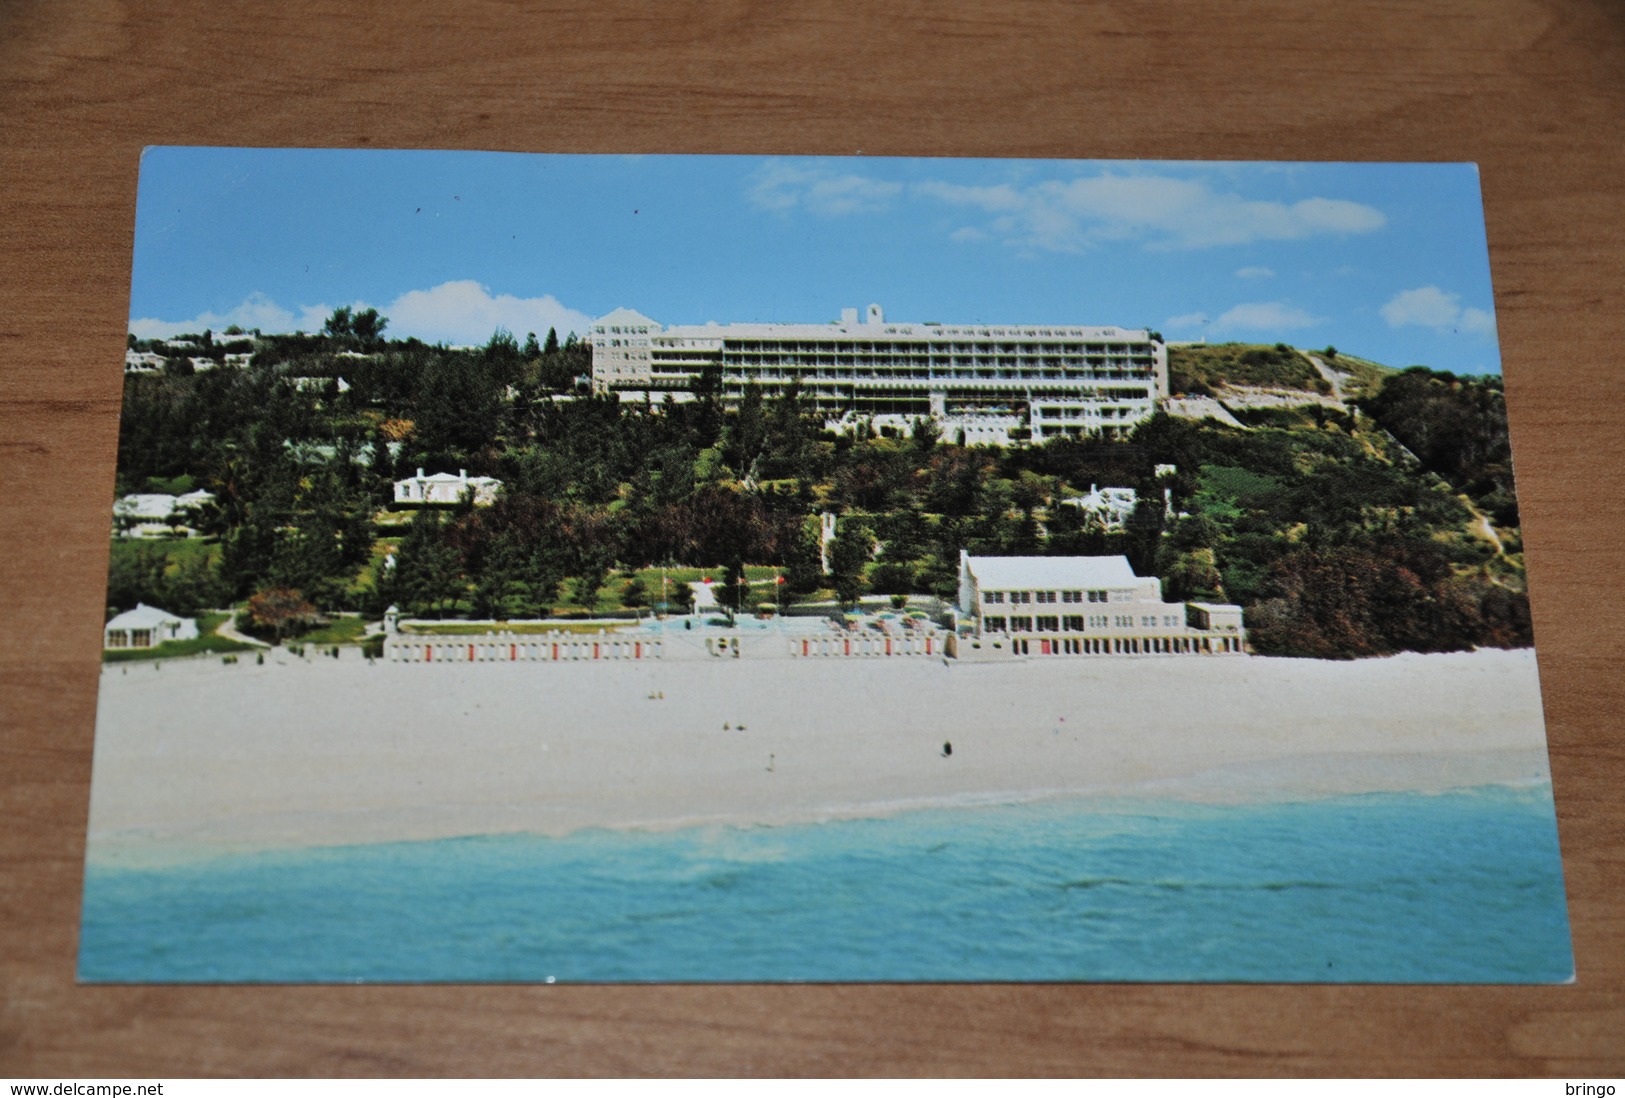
147,627
995,384
1086,606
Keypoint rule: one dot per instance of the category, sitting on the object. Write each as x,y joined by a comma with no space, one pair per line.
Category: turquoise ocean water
1458,887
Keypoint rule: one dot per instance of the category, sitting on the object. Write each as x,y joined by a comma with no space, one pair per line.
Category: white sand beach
200,755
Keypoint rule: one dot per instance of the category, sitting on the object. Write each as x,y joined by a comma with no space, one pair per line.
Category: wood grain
1532,90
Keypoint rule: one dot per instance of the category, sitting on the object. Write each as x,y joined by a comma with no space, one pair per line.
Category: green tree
680,598
367,327
194,586
278,611
594,572
733,593
848,555
803,566
747,433
428,572
137,576
341,325
889,577
498,585
248,547
788,447
925,434
634,594
458,404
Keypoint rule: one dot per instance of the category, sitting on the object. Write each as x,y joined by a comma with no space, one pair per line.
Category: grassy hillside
1205,369
1364,376
1202,369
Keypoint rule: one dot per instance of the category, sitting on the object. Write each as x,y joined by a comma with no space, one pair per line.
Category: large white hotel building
1086,606
985,383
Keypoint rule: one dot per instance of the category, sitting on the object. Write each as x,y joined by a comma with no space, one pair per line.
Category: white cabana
145,627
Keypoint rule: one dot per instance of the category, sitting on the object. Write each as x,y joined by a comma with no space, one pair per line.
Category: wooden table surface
1533,90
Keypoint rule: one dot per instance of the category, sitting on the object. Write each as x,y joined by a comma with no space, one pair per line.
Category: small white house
319,384
146,627
445,488
1109,508
156,514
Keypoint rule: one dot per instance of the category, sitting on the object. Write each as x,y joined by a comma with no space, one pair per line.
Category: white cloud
1477,322
462,312
1069,215
994,199
1072,214
1440,310
1255,272
1186,321
1428,306
466,312
1267,316
254,311
781,186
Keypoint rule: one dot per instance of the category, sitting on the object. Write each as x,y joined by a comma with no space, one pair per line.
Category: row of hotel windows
993,598
1064,387
941,352
1075,623
975,333
1061,386
877,384
920,367
774,346
1124,368
1087,411
1126,646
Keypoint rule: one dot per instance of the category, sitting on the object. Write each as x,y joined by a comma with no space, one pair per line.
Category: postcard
673,568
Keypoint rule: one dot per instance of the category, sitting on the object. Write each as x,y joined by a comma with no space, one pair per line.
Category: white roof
142,617
449,478
157,504
140,504
864,328
1105,497
896,330
1050,573
626,318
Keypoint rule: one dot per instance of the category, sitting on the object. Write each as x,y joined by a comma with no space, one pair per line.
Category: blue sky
1387,261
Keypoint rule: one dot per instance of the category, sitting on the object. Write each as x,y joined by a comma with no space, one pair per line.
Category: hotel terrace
993,384
1085,606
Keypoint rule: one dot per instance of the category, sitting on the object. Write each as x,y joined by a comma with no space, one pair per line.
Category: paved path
228,629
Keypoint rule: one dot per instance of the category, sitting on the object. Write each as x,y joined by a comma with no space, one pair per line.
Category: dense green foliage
1457,428
1337,541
